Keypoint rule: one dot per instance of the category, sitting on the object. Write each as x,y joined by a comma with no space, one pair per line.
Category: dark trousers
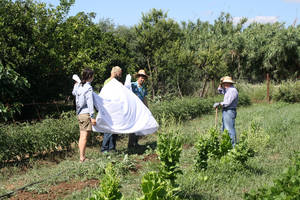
109,142
133,140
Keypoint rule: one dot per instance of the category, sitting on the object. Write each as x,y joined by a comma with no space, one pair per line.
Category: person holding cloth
109,139
83,93
229,105
140,90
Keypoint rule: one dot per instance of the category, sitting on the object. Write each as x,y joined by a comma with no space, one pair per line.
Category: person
140,90
229,105
109,139
83,93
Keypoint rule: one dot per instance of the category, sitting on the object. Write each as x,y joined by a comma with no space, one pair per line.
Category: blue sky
129,12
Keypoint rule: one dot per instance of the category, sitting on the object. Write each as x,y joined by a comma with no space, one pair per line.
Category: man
140,90
229,105
109,140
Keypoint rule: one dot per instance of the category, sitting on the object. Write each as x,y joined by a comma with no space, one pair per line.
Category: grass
280,120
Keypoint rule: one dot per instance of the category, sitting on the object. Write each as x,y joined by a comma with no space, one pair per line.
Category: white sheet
120,111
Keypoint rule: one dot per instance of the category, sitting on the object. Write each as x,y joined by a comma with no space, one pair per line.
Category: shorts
84,121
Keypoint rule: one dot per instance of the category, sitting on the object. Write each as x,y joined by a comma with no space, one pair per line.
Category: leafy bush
109,188
169,147
154,187
287,186
257,92
216,145
183,109
212,145
244,100
19,141
288,91
12,85
256,137
239,154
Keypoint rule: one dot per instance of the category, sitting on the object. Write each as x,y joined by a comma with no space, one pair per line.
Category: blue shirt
84,99
231,97
140,91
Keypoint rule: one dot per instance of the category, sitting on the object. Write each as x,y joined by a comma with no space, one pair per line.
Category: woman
83,93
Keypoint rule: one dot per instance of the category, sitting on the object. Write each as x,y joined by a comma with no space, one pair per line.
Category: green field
65,178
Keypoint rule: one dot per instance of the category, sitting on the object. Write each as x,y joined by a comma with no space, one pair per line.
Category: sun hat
227,79
141,72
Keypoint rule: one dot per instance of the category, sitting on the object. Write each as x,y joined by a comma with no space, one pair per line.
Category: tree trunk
178,86
151,78
268,88
204,86
213,87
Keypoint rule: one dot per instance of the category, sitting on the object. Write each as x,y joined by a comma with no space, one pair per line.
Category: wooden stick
216,117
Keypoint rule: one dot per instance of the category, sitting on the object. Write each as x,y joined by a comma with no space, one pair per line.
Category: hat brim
143,75
228,82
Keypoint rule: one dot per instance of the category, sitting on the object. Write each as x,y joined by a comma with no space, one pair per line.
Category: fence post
268,88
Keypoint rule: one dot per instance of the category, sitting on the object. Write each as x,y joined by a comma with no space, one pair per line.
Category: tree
155,33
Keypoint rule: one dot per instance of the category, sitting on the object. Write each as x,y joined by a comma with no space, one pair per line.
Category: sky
129,12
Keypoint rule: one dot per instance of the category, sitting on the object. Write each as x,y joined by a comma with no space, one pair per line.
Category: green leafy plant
288,91
169,148
23,140
109,188
287,186
155,187
212,145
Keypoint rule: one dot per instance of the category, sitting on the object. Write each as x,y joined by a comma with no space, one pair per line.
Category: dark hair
86,75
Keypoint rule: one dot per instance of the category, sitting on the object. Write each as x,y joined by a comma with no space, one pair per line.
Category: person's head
227,81
87,76
141,77
116,72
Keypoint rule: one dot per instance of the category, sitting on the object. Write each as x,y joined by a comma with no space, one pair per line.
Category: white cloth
120,111
76,78
128,82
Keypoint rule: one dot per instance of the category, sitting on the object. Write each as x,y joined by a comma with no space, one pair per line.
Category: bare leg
82,144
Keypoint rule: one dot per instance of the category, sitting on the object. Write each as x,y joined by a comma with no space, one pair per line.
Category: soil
151,157
56,191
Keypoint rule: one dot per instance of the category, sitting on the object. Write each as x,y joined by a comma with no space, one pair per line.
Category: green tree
155,33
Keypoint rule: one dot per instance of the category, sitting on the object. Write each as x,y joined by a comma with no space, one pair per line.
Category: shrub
154,187
257,92
19,141
109,188
288,91
256,137
212,145
244,100
182,109
287,186
169,147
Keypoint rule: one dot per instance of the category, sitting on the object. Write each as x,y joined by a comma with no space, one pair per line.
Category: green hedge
288,91
190,107
183,109
29,139
19,141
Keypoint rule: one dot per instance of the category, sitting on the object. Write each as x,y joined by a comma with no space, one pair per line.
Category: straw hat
141,72
227,79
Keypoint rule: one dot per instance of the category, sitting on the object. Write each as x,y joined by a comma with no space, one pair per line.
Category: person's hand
216,105
93,121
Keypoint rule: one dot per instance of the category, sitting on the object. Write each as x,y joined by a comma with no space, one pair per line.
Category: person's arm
75,88
90,105
221,90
